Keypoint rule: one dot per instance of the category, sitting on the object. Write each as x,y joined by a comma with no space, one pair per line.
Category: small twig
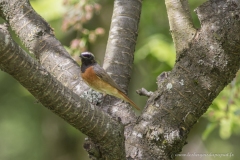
144,92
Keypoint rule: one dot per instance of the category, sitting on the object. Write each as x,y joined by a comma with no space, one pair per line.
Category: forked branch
181,25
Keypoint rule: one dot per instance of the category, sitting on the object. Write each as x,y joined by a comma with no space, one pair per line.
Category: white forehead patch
87,53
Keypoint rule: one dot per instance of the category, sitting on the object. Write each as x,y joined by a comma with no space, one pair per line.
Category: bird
98,79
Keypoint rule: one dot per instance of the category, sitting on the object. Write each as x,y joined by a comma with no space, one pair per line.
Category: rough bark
184,94
119,55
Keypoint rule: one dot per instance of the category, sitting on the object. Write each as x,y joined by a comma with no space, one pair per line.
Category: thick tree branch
200,73
181,24
119,53
122,40
90,120
38,37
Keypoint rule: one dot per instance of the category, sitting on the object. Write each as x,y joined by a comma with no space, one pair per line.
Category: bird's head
87,58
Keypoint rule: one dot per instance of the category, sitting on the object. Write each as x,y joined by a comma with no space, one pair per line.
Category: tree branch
181,24
200,73
90,120
38,37
122,40
119,53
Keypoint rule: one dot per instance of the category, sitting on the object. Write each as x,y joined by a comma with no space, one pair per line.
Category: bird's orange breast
89,76
97,83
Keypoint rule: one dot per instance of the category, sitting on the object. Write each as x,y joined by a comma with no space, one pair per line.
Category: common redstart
98,79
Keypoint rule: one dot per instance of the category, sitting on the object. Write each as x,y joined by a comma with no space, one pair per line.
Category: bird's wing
101,73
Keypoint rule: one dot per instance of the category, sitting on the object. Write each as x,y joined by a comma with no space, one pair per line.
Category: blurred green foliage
28,131
225,112
50,10
158,47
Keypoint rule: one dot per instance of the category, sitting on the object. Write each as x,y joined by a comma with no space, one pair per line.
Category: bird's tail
125,98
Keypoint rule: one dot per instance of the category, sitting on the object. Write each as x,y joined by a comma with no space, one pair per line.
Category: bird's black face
87,58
